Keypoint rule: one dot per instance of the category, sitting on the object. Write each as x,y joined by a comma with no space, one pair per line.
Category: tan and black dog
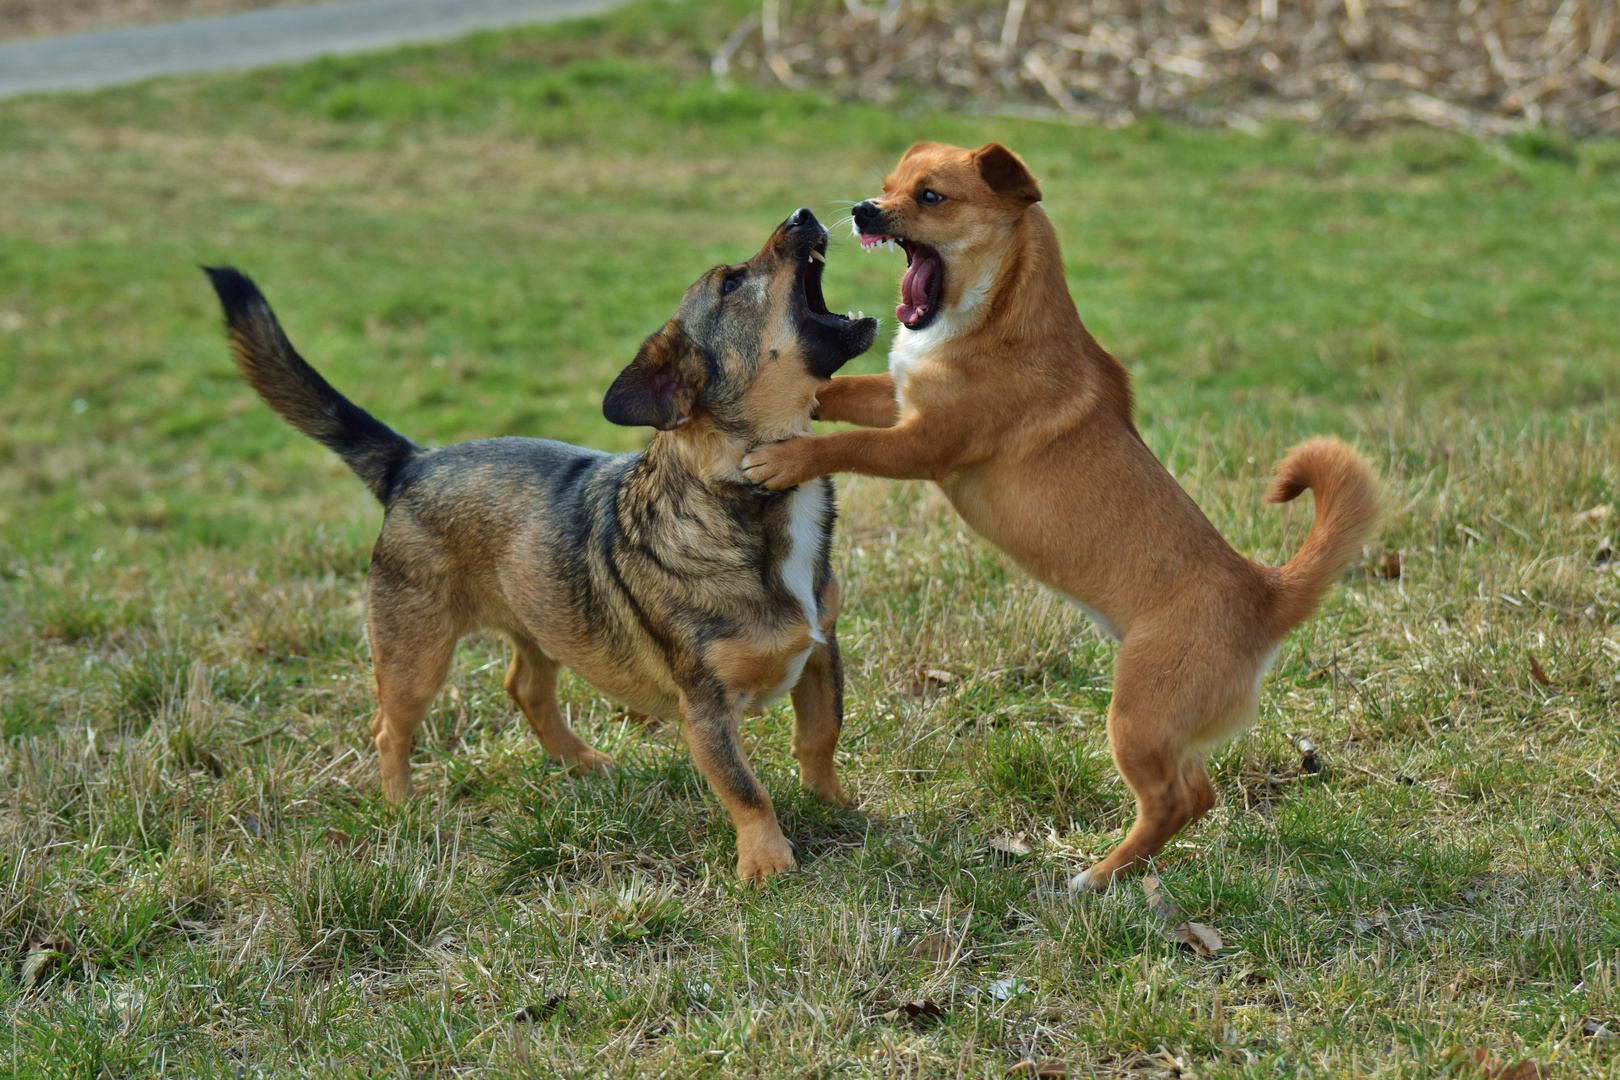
997,392
664,578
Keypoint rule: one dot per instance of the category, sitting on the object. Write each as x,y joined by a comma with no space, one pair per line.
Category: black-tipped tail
297,392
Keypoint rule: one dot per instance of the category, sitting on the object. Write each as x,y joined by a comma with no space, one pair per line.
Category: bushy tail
1346,510
297,392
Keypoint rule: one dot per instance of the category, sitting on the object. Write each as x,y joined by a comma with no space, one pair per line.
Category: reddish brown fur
1025,421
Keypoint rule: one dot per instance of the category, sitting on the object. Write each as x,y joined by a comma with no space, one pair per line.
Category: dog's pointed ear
661,386
1005,172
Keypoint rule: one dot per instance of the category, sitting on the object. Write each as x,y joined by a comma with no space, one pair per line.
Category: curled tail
1346,510
297,392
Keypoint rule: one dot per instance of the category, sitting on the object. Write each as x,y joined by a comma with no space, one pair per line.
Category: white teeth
818,256
860,314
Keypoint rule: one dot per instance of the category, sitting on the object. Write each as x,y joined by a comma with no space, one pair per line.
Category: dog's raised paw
770,466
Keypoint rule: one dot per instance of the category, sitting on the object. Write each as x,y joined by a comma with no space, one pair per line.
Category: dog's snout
800,218
866,214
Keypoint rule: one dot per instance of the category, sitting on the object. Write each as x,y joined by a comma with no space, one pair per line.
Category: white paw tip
1081,883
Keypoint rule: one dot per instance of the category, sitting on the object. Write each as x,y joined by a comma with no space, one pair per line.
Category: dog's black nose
801,217
866,214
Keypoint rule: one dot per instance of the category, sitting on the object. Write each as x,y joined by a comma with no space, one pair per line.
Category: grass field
198,879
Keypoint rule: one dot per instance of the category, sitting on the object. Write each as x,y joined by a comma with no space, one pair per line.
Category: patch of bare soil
46,18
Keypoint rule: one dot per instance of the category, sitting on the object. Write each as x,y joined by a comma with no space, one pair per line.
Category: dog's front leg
908,451
867,400
710,724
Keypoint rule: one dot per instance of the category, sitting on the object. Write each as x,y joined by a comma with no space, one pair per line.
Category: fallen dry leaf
340,839
1480,1058
917,1009
1390,565
1041,1070
1594,515
531,1013
1015,847
1368,924
1205,940
42,955
936,947
1160,904
1202,939
1537,672
927,681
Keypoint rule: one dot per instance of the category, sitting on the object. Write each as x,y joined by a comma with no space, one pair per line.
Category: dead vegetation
1486,67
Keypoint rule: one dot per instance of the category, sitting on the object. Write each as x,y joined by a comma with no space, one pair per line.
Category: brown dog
664,578
997,393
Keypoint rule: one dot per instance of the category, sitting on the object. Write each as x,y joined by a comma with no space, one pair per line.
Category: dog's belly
795,672
1052,541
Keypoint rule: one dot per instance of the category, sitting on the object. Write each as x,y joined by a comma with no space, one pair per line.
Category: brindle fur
664,578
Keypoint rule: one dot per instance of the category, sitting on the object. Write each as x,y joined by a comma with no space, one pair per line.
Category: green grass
196,874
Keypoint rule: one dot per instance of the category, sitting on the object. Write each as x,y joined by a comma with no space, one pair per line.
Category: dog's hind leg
532,682
410,657
1158,708
818,716
711,735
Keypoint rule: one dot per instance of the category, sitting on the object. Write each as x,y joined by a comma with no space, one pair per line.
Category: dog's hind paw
827,789
1084,882
591,763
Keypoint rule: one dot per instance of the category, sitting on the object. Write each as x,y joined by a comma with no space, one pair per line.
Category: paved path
260,39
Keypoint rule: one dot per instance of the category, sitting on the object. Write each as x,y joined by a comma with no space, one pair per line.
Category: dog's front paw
763,855
779,466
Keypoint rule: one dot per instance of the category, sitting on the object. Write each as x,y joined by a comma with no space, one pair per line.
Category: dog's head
747,348
951,210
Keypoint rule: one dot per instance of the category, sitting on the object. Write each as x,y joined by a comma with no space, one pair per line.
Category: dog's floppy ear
662,383
1004,171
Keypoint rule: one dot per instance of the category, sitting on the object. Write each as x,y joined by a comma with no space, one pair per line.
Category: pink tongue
914,288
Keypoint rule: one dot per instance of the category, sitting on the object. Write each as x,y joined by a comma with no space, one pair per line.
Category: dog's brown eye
729,285
932,198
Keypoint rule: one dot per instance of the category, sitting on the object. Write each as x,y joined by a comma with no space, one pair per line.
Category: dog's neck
1017,318
712,454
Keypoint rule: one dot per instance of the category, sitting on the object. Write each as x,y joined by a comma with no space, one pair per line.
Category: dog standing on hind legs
666,579
998,393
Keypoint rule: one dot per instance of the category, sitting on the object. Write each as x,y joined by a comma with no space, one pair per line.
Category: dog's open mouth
837,338
923,284
815,266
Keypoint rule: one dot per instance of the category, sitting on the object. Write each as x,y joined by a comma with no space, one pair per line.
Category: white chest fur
912,349
807,523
